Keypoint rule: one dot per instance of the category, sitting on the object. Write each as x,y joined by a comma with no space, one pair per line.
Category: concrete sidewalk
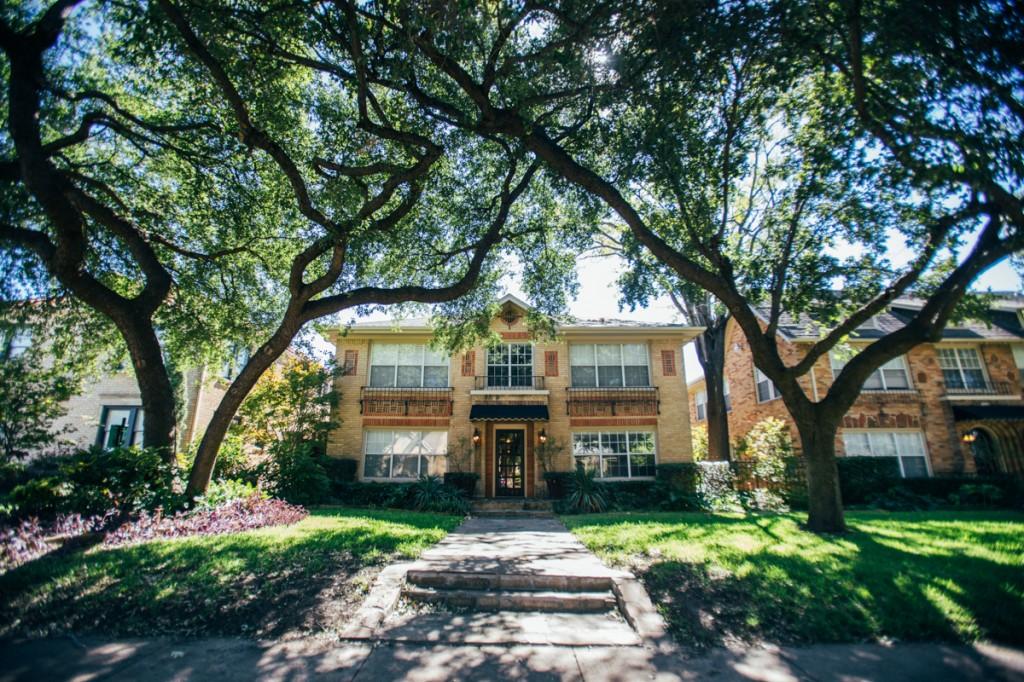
225,660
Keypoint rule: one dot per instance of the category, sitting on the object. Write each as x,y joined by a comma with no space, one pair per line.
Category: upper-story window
892,376
407,365
510,365
766,389
609,364
15,342
700,402
962,368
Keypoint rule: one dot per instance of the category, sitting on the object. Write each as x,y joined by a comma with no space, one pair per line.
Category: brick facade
550,361
926,408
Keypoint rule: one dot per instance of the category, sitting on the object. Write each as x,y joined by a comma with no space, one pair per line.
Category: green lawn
272,582
908,576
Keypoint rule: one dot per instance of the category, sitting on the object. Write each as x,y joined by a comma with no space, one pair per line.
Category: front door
509,453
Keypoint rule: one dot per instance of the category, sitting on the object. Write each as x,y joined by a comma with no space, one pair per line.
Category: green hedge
374,494
462,480
942,487
862,477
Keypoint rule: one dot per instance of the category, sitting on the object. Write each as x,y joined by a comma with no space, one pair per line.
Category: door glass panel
509,454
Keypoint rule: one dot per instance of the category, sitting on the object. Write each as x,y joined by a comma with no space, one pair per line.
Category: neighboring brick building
613,392
918,407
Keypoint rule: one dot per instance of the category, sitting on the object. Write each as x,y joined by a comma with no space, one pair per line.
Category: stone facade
926,407
670,424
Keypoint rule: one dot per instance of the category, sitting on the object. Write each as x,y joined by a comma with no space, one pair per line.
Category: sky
598,297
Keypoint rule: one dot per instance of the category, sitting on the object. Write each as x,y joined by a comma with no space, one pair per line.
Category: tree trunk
155,388
825,505
209,446
711,355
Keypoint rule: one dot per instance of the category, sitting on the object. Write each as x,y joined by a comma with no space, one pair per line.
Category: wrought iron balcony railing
498,383
405,402
986,388
898,395
632,401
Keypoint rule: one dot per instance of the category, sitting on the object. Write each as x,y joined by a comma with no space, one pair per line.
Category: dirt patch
707,607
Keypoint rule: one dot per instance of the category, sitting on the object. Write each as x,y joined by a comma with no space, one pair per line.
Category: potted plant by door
549,451
460,460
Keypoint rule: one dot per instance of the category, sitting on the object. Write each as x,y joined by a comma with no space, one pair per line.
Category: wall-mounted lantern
476,436
970,437
542,437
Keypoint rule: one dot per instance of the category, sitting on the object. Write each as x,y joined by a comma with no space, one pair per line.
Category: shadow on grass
919,577
274,581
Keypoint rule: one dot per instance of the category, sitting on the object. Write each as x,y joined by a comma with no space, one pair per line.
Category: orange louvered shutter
351,362
468,363
668,363
551,363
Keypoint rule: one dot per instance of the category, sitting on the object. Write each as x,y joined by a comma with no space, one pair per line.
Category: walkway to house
516,580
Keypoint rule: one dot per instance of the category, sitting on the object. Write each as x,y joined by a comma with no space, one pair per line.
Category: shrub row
862,480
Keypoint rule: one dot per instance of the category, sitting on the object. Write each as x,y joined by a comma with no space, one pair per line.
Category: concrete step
501,600
458,580
511,514
508,627
517,504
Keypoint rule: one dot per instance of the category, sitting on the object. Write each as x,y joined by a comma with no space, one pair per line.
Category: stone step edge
512,514
550,601
508,581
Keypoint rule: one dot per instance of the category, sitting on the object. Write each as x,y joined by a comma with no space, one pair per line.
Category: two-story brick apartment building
614,392
955,406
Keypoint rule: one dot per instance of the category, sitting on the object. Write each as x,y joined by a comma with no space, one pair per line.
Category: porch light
970,437
476,436
542,437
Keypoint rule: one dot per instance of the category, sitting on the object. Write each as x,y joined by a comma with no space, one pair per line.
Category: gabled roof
1003,322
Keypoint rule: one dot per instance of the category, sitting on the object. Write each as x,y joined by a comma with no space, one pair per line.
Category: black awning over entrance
508,413
965,413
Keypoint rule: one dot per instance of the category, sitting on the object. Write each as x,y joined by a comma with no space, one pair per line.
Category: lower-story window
906,446
403,454
120,427
614,454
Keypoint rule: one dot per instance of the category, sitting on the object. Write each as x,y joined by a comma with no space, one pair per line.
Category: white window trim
959,365
134,412
899,458
423,366
622,364
726,396
419,463
509,365
629,464
881,374
700,400
771,384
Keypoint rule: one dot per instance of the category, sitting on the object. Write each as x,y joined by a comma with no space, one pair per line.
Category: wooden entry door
509,455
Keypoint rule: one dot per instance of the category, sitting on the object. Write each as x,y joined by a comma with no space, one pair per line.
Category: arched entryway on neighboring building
994,437
984,450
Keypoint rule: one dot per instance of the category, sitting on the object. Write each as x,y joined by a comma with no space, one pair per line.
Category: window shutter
351,362
668,363
468,363
551,363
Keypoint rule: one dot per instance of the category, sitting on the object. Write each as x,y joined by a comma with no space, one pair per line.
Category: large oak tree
182,177
899,126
